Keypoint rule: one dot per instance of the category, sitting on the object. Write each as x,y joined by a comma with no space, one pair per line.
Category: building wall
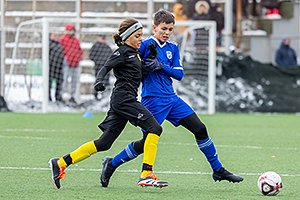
263,48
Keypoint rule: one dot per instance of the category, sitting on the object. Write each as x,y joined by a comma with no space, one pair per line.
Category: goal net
198,52
27,83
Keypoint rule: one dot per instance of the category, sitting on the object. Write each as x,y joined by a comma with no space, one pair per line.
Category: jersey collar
161,45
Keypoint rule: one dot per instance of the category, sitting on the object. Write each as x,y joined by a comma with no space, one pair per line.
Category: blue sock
127,154
208,148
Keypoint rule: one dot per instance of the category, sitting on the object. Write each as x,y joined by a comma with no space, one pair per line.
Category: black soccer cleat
107,171
223,174
58,173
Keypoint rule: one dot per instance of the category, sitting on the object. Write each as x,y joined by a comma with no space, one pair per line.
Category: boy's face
163,31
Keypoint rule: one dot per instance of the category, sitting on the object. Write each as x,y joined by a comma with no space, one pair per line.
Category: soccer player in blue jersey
161,60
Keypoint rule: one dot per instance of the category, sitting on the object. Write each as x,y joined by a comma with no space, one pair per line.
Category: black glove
99,86
151,64
152,49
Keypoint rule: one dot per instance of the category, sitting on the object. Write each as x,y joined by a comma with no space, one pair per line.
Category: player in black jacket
124,107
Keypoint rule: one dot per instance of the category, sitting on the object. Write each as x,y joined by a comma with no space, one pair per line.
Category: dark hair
163,16
125,24
102,36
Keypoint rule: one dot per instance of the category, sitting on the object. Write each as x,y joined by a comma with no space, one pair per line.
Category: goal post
33,27
45,65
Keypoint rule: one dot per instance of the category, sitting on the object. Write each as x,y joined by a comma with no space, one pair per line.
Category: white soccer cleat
151,180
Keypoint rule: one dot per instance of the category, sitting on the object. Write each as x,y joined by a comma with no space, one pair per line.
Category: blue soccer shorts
172,108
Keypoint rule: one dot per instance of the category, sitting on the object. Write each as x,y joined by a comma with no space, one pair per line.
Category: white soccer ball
269,183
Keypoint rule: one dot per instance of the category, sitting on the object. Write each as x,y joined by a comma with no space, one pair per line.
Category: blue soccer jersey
158,95
159,83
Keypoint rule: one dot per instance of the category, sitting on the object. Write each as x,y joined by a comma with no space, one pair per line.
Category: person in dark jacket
218,16
99,53
202,10
285,55
56,60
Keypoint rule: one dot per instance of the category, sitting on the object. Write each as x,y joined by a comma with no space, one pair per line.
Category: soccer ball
269,183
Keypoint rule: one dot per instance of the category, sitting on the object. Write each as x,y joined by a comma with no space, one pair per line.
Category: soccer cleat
223,174
58,173
152,180
107,171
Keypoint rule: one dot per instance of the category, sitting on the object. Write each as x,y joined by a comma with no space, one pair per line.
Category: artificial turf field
247,144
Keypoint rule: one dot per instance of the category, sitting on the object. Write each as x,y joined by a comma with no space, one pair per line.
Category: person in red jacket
73,55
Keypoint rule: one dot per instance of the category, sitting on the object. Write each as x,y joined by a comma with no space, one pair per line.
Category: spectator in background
205,10
218,16
99,53
178,11
56,60
285,55
73,55
201,11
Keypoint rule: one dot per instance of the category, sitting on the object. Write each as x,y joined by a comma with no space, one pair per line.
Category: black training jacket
126,64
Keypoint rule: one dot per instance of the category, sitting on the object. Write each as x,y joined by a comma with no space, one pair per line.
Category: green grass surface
247,145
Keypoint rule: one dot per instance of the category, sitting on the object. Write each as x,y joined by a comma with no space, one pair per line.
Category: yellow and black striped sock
81,153
62,163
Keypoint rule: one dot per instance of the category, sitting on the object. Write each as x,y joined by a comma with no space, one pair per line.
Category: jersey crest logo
117,53
169,54
140,115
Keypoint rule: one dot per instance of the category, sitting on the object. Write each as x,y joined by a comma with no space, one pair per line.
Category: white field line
136,171
22,137
32,130
235,146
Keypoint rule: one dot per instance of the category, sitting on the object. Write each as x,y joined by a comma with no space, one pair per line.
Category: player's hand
151,64
99,86
152,49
